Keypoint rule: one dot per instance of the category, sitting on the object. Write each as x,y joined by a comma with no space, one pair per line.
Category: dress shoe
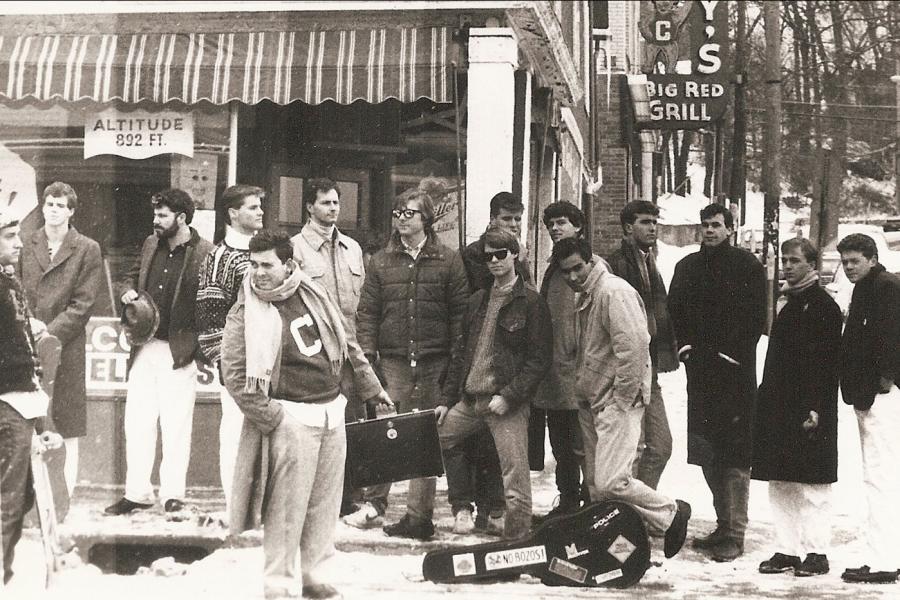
779,563
406,527
125,506
321,591
677,531
865,575
813,564
709,541
173,505
727,550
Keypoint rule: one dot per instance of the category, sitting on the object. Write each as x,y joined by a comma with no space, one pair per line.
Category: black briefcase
393,448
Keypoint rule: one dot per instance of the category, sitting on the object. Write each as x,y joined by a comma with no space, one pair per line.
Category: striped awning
282,66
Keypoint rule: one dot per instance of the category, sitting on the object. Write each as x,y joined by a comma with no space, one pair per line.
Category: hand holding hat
140,318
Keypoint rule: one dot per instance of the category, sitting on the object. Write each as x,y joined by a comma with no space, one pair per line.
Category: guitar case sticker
621,549
568,570
608,576
464,564
533,555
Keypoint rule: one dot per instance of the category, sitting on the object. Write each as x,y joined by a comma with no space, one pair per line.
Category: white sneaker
464,523
366,517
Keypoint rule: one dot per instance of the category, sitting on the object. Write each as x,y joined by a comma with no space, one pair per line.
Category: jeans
411,388
656,447
730,487
510,433
611,436
568,450
479,478
306,470
16,494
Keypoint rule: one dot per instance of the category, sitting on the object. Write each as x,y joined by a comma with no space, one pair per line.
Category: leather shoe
727,551
779,563
709,541
125,506
677,531
813,564
865,575
406,527
173,505
320,591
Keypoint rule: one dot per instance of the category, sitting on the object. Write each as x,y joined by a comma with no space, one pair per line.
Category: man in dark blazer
162,376
795,431
870,372
61,271
635,263
717,301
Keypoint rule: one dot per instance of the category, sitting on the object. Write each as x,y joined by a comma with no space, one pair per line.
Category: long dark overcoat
717,302
61,293
801,375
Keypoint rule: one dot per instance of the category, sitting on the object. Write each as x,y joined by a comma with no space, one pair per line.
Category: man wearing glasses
410,316
505,351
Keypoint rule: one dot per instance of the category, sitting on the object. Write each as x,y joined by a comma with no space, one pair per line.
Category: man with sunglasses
505,350
162,376
410,316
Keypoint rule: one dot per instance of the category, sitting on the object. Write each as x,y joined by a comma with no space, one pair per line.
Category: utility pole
739,139
772,145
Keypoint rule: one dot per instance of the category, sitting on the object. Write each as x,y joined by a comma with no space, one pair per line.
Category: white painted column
493,58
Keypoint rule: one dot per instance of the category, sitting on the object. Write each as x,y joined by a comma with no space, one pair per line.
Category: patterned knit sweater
221,276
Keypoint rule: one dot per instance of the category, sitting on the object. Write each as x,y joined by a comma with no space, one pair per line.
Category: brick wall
614,158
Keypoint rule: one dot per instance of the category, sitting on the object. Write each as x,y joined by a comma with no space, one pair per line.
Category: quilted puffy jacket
412,309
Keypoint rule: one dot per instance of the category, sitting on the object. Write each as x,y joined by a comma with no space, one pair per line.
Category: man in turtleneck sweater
221,275
505,350
717,302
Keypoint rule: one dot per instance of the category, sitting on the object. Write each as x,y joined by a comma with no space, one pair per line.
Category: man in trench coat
61,271
717,302
795,439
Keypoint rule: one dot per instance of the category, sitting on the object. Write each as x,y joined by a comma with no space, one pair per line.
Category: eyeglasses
406,213
501,254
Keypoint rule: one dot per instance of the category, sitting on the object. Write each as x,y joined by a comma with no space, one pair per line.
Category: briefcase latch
391,432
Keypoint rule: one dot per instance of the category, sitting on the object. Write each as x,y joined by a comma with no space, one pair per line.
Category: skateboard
603,545
48,351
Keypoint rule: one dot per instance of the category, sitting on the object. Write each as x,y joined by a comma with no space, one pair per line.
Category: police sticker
463,564
608,576
621,549
564,568
532,555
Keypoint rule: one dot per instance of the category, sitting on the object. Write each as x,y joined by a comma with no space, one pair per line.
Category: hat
140,319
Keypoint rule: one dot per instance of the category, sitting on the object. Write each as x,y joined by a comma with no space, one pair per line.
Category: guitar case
603,545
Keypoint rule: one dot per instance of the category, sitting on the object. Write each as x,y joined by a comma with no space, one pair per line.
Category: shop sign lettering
685,57
139,133
106,361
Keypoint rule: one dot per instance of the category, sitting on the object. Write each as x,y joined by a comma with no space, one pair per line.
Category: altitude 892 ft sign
685,57
139,133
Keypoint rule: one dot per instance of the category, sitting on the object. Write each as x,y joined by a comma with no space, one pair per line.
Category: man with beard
162,377
870,372
221,276
61,272
717,302
795,440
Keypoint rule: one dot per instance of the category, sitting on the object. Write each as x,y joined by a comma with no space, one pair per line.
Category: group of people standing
307,333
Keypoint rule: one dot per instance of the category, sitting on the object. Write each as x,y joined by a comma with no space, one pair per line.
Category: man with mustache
162,377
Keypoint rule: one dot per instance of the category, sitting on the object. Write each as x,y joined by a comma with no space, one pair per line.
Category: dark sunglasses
407,213
498,254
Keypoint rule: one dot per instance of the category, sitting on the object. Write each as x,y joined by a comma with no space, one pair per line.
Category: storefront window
116,158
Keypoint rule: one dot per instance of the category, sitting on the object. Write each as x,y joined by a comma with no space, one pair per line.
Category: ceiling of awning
310,66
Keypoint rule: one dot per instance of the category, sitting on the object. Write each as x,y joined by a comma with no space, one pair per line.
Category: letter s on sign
305,349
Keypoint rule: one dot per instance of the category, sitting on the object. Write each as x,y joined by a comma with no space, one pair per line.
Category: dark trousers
565,441
16,493
474,475
730,487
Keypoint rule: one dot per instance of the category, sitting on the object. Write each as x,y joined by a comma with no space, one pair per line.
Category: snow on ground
375,567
